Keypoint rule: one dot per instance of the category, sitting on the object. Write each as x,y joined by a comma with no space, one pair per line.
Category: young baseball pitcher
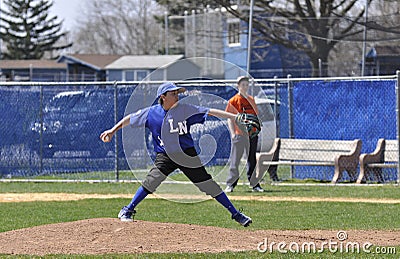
169,123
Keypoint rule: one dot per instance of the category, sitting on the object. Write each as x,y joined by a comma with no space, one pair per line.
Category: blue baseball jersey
170,129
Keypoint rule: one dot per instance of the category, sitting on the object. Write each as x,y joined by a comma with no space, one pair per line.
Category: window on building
129,75
134,75
141,74
234,32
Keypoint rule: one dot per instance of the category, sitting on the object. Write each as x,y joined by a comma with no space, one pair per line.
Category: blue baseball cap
169,86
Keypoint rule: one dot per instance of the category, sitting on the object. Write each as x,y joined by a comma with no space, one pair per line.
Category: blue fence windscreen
55,128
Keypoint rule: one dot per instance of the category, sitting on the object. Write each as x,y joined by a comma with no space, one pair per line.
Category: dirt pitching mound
106,235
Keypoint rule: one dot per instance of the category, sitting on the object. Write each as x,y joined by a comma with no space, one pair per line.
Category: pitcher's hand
106,136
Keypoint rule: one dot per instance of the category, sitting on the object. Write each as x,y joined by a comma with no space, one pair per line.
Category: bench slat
383,165
391,155
317,144
313,155
390,152
391,144
282,162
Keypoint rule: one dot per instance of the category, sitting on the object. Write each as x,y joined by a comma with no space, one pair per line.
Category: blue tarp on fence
344,110
73,116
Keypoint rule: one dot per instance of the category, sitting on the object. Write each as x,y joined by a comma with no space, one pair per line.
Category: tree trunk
319,61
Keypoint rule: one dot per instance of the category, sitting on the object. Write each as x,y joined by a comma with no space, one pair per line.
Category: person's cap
169,86
242,78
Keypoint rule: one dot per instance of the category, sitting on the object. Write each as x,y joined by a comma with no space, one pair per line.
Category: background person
242,102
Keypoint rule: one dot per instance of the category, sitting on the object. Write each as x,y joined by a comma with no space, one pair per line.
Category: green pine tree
27,30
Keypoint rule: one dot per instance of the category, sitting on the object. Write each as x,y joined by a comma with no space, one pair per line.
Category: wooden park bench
384,156
342,154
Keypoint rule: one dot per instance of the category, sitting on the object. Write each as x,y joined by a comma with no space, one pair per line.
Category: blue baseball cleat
242,219
126,214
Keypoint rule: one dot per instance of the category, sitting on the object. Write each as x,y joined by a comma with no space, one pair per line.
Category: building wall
34,74
235,53
267,60
179,70
77,72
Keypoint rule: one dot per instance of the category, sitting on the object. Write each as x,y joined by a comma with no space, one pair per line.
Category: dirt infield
105,235
109,235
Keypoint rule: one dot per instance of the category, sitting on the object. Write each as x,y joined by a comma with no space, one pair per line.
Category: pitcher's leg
163,167
203,180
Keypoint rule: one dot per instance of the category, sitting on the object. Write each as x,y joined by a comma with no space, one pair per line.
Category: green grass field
266,215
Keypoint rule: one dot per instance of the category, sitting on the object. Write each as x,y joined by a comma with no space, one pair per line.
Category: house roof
143,61
95,61
34,63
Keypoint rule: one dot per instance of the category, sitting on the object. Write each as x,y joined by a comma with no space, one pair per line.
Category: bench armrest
369,158
374,157
348,162
271,155
274,149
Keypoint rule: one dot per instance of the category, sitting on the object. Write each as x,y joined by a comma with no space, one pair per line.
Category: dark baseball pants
164,166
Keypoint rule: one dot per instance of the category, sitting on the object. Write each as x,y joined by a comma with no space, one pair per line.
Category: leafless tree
385,16
312,26
383,28
118,27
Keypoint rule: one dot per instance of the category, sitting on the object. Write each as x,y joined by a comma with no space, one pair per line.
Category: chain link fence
52,129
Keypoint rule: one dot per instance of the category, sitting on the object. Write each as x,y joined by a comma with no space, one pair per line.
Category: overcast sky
64,9
67,10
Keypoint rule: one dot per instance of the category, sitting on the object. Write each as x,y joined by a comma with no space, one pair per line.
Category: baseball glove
248,123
